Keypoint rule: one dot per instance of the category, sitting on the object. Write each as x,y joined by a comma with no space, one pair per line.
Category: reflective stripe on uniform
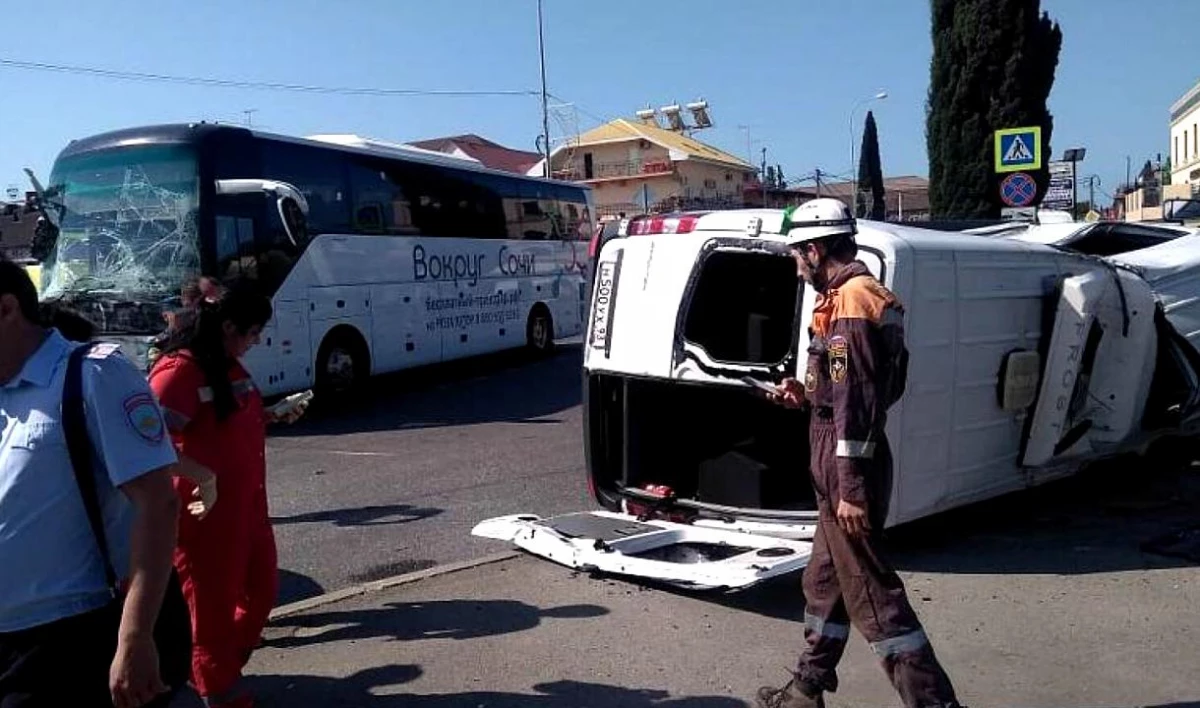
243,386
206,394
855,448
176,421
829,630
903,644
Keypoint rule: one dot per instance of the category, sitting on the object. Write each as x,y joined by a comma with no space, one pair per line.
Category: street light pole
881,95
545,99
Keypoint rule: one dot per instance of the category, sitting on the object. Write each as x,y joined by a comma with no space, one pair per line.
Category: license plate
602,304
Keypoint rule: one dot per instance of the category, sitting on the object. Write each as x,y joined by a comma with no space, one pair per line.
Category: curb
386,583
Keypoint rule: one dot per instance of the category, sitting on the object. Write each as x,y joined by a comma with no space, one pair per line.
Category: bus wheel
341,364
539,331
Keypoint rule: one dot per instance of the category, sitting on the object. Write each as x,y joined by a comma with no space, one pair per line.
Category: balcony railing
615,170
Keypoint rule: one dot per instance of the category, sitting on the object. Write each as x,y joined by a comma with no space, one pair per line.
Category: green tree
869,202
993,67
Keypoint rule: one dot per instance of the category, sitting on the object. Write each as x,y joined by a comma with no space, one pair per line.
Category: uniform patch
142,414
810,379
103,350
839,361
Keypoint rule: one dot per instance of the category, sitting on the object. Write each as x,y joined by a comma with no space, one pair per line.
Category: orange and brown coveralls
857,368
226,561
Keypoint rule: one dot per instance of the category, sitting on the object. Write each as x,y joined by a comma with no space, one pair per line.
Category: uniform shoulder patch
839,358
143,415
103,350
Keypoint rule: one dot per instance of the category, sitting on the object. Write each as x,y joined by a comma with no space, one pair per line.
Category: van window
743,308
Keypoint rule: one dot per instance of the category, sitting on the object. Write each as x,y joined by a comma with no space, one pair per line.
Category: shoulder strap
79,446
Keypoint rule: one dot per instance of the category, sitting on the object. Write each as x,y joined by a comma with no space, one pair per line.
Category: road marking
354,453
312,603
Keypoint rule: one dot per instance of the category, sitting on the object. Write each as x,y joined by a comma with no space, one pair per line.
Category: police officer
856,369
64,639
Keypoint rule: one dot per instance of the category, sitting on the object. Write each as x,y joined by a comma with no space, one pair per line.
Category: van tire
539,331
342,364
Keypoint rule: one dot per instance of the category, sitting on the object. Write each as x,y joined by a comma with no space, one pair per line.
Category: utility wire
251,85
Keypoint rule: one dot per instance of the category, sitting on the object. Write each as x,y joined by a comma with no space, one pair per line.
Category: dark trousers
849,581
66,663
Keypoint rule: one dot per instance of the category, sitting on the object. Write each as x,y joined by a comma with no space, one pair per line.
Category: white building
1185,138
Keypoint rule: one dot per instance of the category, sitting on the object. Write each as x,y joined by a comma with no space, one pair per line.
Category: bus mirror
294,221
289,201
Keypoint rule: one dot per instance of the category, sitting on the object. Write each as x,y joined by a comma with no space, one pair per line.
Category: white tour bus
406,257
1027,363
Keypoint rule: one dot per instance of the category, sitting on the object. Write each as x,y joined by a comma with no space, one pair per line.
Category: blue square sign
1019,149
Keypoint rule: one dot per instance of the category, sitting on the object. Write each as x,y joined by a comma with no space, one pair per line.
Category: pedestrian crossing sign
1019,149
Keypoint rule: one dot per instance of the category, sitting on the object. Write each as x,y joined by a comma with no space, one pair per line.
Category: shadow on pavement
406,621
356,690
1104,520
1119,516
514,388
294,586
362,516
363,689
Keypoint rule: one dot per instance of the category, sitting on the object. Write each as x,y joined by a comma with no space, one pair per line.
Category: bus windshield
127,223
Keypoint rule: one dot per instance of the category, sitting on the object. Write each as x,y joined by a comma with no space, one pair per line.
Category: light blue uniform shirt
50,567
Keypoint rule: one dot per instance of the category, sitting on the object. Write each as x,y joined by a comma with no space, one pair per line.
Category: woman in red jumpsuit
226,557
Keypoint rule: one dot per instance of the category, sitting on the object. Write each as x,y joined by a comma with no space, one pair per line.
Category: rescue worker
856,369
226,559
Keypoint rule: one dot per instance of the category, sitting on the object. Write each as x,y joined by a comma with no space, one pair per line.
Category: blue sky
790,70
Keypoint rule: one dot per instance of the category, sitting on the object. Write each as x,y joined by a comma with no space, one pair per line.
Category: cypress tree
993,67
869,202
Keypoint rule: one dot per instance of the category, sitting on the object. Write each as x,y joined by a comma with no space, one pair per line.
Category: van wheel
539,331
341,365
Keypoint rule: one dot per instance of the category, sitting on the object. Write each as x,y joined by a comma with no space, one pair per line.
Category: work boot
790,696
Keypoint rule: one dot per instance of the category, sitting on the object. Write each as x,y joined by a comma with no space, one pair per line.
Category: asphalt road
395,483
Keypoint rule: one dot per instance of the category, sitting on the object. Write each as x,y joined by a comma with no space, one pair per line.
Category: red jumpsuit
857,368
227,561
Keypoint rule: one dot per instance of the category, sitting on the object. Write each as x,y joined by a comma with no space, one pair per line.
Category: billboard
1059,194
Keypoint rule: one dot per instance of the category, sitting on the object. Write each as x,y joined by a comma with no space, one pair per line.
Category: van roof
737,221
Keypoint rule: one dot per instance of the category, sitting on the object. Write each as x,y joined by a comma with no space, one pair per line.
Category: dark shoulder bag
173,629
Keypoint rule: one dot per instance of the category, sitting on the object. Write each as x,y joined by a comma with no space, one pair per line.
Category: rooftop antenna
249,113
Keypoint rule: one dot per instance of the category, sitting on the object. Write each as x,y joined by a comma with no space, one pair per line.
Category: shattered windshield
127,223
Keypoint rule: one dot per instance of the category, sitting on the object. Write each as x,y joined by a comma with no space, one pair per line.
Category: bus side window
573,214
236,253
379,203
537,211
320,175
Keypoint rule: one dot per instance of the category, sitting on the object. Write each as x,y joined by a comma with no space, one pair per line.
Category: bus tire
342,364
539,331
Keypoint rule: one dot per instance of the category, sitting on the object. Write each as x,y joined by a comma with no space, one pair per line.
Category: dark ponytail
239,305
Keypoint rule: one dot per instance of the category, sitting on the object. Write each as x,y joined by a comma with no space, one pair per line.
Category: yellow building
635,167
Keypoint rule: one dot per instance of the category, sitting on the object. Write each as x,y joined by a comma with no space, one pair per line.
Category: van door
1100,362
683,555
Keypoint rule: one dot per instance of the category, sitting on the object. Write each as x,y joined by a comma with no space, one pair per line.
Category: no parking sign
1018,189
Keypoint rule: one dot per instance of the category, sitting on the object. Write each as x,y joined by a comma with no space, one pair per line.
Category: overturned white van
1027,362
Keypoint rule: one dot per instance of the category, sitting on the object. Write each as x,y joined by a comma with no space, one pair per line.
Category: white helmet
816,219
